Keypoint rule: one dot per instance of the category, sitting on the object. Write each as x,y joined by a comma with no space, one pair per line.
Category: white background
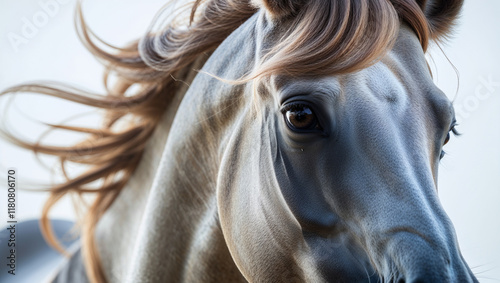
469,184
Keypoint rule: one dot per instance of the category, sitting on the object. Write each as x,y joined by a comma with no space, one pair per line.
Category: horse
274,141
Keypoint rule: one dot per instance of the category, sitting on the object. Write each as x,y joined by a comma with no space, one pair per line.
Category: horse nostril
401,280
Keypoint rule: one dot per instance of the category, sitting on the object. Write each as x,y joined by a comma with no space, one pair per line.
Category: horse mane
327,37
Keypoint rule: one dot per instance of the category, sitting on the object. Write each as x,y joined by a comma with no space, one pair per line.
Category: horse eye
447,139
300,117
452,130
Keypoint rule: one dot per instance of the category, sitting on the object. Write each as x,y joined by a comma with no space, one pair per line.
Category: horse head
329,169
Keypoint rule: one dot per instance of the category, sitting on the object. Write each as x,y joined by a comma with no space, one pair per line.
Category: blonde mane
327,38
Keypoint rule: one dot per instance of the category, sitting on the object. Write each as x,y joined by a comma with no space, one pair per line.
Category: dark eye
452,130
447,139
300,117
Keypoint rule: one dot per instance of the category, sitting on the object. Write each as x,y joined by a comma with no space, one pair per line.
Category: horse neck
195,249
168,210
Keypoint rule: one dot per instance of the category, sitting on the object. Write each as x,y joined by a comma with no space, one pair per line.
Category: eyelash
455,131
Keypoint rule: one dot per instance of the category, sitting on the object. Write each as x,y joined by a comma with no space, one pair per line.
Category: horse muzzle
414,258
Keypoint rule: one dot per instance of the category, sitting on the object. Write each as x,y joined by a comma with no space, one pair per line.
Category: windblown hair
327,38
